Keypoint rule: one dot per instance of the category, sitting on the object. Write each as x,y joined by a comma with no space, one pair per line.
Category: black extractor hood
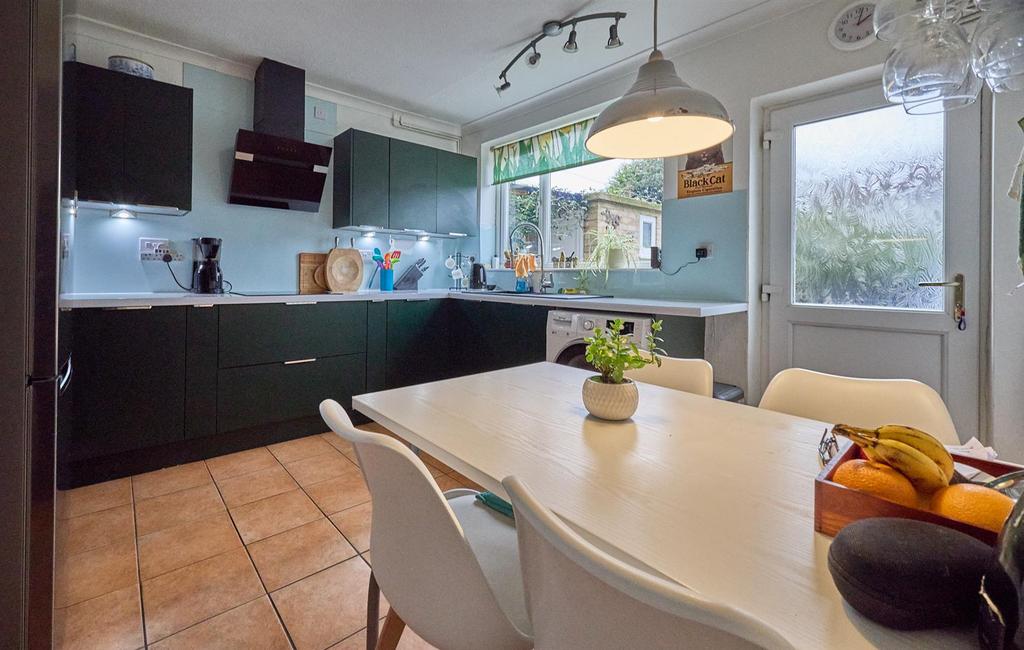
273,166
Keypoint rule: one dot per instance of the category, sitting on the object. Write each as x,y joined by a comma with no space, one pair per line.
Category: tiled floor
265,548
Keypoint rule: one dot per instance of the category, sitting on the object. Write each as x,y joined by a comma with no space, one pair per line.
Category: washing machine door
575,356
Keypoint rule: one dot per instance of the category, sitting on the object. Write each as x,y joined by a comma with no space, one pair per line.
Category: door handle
958,286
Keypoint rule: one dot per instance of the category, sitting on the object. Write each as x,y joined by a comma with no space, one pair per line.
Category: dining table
714,495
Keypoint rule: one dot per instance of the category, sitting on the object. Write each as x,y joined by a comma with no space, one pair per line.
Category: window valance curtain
546,152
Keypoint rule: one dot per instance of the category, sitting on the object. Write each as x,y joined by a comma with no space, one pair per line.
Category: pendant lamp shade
659,117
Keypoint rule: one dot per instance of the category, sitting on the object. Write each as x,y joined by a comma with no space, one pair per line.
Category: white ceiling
439,58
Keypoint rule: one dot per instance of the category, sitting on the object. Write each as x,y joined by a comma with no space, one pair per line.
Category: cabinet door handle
128,308
298,361
304,302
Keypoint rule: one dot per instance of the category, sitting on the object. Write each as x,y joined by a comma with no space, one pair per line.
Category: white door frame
761,210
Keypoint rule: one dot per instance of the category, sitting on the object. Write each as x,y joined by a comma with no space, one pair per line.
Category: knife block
410,280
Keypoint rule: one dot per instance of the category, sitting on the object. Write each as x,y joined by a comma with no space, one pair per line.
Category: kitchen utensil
308,265
409,280
344,270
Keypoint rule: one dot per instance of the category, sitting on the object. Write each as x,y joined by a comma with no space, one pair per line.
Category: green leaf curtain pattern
544,153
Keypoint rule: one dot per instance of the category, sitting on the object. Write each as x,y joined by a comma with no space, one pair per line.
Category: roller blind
544,153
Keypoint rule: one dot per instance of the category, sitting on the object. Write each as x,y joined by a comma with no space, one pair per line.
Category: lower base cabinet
266,395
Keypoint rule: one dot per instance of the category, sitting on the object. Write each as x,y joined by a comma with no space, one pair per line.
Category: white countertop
694,308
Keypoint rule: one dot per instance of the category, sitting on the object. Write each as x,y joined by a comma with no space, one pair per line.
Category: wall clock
854,27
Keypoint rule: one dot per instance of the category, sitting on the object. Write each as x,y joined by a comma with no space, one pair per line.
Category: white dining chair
580,597
448,565
867,403
688,375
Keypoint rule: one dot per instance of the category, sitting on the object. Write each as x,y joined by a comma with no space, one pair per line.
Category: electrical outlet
319,113
153,250
704,252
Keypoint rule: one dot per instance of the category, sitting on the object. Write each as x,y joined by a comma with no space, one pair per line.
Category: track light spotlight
613,36
533,59
570,45
505,85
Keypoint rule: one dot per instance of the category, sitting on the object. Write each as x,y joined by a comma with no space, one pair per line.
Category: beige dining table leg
391,633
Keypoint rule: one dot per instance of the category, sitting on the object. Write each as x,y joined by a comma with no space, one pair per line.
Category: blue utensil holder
387,279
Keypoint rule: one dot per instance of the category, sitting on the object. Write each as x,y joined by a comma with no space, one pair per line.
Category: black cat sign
704,173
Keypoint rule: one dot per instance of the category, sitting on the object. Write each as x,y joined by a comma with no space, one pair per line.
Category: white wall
1007,310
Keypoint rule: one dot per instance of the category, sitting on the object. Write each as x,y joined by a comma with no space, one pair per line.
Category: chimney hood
273,166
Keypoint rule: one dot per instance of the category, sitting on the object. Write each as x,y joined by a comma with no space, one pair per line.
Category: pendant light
660,116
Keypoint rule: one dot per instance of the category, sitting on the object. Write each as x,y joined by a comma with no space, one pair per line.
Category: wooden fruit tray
836,505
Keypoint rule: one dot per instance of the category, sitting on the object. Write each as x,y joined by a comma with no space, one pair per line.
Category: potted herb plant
610,395
611,249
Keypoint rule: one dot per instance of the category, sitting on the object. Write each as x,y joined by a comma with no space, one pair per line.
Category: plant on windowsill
611,249
611,395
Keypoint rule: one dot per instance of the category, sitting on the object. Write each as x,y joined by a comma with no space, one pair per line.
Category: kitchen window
574,194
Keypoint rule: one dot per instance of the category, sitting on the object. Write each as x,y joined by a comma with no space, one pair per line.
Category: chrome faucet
546,281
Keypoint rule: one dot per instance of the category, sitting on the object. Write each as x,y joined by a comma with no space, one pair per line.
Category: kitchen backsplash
260,244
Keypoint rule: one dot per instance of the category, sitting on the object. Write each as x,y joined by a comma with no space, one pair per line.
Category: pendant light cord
655,24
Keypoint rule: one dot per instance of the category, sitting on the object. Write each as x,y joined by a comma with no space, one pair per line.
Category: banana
914,453
922,471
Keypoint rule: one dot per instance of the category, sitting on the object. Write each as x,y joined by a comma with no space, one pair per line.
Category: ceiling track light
554,28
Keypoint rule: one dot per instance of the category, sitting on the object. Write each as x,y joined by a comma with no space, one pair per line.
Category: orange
878,480
973,504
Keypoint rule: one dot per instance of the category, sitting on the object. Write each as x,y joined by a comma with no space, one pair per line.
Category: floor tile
339,443
94,573
93,530
446,482
173,548
192,594
337,494
286,452
176,508
299,552
274,515
253,626
325,607
321,467
409,641
354,524
243,462
257,485
93,498
171,479
112,621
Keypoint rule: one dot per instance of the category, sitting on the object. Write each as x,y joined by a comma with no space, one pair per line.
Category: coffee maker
206,273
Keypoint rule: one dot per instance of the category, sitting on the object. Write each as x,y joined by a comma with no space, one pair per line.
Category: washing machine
567,329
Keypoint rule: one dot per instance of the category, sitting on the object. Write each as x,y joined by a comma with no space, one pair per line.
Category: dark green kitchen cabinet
362,173
201,341
126,140
498,335
413,187
267,333
456,194
269,394
419,338
129,380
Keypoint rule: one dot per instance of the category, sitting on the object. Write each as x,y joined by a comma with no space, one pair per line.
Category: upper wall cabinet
456,194
127,141
361,179
413,187
386,183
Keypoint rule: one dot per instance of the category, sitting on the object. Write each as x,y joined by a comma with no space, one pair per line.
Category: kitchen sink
555,296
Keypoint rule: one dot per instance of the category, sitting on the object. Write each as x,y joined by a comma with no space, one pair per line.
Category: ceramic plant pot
617,259
610,401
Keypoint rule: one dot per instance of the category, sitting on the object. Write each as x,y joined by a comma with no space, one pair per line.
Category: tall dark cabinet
127,141
413,193
362,172
456,194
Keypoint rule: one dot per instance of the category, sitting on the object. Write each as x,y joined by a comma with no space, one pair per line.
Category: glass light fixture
659,116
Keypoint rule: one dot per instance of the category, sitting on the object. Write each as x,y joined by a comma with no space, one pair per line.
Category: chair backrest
867,403
688,375
581,597
421,558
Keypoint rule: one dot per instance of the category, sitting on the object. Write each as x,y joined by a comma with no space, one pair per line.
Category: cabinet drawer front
254,334
263,395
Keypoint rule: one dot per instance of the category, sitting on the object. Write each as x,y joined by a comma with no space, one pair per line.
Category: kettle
477,276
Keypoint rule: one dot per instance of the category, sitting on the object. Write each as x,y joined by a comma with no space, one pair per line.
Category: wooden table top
717,496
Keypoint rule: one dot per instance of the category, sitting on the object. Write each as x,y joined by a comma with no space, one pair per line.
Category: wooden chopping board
308,263
343,270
